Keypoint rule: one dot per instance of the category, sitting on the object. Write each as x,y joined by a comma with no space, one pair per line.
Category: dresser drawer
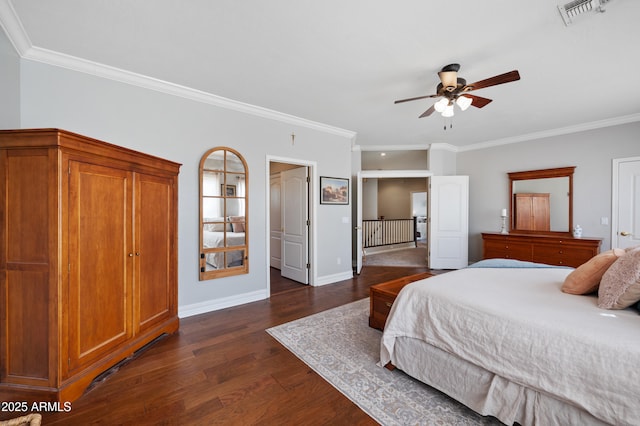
507,250
562,255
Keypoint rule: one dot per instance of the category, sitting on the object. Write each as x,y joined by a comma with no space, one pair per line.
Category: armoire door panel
27,230
153,251
27,326
101,258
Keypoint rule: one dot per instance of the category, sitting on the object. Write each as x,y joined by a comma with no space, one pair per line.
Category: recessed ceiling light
382,154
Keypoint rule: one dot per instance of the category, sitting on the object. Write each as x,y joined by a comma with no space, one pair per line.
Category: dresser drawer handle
388,304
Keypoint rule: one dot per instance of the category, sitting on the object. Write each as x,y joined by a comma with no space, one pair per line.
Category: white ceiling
344,62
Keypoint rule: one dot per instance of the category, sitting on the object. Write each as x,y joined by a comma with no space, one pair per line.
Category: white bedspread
216,239
518,324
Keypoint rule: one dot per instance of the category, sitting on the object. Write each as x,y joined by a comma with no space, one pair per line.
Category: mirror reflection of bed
220,231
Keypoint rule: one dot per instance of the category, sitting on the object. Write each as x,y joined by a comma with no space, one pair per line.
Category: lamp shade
441,104
464,102
449,79
448,111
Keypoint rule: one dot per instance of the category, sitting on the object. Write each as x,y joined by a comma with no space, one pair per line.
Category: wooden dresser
88,259
553,250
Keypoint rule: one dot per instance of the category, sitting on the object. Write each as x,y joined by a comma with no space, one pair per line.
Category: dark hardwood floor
223,368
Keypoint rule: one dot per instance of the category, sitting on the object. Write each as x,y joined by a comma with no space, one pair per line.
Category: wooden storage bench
382,296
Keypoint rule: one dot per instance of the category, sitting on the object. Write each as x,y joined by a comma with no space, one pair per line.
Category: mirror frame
541,174
205,274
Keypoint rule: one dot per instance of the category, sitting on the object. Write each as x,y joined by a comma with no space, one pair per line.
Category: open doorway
447,212
289,225
394,221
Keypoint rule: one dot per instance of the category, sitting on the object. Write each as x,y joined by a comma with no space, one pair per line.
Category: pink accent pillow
237,222
620,285
586,278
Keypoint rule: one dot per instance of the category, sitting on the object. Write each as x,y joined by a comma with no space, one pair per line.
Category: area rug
340,346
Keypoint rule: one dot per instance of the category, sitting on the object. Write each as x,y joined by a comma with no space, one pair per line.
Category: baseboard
330,279
217,304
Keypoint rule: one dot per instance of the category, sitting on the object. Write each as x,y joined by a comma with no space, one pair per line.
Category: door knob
625,233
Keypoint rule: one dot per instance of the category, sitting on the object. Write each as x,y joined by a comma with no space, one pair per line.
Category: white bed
213,239
508,343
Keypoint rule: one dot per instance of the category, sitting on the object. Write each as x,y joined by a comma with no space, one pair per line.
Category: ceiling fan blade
428,112
415,99
494,81
478,101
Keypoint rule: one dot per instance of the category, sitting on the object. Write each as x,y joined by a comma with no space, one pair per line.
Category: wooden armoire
88,259
531,212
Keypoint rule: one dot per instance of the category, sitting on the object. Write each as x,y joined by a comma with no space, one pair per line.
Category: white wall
9,84
395,160
590,151
181,130
394,196
370,199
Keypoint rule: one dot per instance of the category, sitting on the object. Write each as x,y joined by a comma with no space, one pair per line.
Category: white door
358,227
295,225
626,203
275,226
448,222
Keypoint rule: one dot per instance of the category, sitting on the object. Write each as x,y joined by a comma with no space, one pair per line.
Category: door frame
362,174
614,196
314,200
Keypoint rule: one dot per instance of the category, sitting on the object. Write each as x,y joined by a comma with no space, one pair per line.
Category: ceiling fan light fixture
449,79
464,102
448,111
441,104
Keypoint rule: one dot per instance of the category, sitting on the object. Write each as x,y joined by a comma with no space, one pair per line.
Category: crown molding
389,147
443,146
12,26
16,33
632,118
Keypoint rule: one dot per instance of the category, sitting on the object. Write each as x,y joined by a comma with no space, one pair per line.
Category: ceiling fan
455,91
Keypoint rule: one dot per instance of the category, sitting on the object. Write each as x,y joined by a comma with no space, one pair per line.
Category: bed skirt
483,391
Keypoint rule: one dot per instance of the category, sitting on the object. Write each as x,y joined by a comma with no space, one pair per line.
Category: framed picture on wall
334,190
228,190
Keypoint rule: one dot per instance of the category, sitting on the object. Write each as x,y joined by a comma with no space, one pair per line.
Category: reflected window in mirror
223,214
541,201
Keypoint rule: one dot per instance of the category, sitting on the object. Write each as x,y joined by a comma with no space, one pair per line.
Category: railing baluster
384,232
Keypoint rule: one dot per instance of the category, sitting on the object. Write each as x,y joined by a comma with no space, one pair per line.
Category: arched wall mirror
224,230
541,201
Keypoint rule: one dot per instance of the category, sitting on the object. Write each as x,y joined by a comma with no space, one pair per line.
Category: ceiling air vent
574,8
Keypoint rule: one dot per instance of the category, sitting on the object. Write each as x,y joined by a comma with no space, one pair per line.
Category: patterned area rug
340,346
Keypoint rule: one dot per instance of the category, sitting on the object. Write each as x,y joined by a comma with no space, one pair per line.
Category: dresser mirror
223,214
541,201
